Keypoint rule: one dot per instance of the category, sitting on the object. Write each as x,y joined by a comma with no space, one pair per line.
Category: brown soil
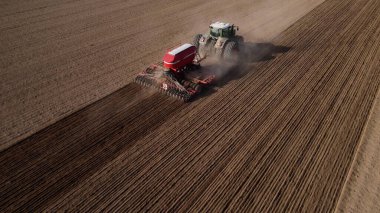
59,56
362,190
281,136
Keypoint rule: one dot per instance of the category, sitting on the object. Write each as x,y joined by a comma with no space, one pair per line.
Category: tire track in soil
220,190
62,165
277,147
99,65
129,195
322,152
183,141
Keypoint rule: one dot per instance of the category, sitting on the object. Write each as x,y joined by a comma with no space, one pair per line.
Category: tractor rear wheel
231,50
240,40
219,52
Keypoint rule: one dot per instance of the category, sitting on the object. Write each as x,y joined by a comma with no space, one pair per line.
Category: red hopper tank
180,57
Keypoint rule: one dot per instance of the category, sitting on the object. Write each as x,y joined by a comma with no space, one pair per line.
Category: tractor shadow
228,71
256,52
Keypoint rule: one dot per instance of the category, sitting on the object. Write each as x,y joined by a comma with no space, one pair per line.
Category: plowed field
279,135
58,56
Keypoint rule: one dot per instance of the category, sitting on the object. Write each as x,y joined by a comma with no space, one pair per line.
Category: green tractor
221,41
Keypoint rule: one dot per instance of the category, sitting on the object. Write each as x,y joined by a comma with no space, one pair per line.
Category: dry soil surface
280,134
57,56
362,190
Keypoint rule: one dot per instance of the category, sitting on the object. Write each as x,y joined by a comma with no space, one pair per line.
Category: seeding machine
180,75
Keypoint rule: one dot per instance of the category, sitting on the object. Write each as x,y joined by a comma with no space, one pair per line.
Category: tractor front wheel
211,47
196,39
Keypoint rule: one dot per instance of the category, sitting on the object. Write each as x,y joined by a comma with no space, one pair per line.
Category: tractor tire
211,47
196,39
206,50
240,40
219,52
230,50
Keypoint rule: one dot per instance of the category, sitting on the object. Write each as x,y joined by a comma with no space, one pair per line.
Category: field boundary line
359,146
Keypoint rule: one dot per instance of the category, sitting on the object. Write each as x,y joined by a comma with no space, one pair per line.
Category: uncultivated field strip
280,137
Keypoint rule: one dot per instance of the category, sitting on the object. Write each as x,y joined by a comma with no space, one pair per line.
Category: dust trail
53,71
237,66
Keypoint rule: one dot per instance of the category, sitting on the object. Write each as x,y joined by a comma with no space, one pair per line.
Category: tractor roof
220,25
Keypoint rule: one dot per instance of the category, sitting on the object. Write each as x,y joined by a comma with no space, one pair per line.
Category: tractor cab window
222,32
214,32
228,32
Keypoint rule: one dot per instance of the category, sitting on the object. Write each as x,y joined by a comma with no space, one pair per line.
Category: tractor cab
221,41
220,29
